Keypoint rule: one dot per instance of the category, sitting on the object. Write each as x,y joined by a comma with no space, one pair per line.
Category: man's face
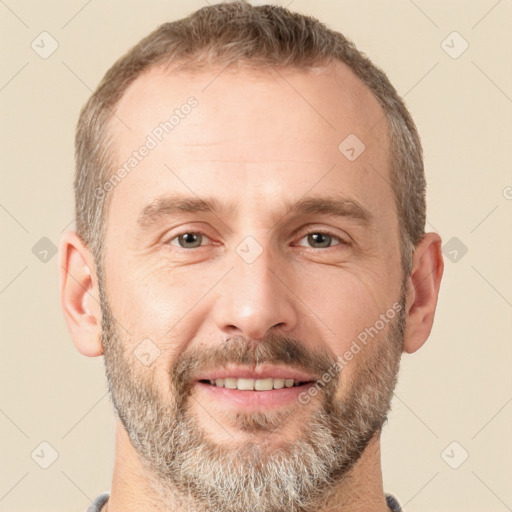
188,295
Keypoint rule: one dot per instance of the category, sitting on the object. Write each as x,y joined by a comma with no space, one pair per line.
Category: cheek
347,306
147,298
342,301
160,305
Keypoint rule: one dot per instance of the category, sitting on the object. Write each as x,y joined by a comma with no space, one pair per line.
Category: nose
255,298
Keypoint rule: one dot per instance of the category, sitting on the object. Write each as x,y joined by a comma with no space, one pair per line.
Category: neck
133,489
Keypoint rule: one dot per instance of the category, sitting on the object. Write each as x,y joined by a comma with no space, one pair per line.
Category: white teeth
245,384
254,384
278,383
230,383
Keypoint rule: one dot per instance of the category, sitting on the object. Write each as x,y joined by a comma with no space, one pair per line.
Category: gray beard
188,471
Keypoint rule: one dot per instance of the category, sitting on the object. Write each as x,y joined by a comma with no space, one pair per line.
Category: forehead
329,98
254,133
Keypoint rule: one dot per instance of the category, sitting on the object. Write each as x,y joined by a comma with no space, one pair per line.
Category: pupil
320,239
191,238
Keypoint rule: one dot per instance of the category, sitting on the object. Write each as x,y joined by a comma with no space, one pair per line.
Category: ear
423,289
79,294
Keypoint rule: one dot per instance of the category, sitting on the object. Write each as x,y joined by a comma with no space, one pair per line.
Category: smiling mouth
242,384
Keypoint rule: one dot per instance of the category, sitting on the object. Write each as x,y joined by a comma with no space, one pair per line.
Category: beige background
458,387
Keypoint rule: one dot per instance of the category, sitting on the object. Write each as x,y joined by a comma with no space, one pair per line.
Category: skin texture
255,141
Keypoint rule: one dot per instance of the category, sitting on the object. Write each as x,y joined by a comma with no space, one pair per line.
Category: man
250,259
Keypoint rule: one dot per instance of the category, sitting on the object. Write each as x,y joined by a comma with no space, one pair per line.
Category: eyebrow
169,205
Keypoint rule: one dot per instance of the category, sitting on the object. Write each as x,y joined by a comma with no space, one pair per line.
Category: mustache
238,350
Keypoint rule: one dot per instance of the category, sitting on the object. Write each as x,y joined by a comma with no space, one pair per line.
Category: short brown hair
255,36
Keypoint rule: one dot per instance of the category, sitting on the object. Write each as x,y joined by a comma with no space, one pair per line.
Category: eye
323,239
188,240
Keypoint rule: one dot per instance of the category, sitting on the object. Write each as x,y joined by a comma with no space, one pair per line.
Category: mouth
253,390
257,376
242,384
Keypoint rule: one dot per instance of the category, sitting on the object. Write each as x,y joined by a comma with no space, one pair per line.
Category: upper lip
262,372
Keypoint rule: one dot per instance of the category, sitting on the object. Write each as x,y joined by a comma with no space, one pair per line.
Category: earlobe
424,284
79,294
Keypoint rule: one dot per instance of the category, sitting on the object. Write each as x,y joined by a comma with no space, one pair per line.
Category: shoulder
393,504
98,502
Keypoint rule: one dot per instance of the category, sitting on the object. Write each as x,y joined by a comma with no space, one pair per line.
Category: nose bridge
253,299
255,279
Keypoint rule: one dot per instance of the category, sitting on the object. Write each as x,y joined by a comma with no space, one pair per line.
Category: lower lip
256,399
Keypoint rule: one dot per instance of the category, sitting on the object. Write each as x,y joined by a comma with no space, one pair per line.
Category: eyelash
316,232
